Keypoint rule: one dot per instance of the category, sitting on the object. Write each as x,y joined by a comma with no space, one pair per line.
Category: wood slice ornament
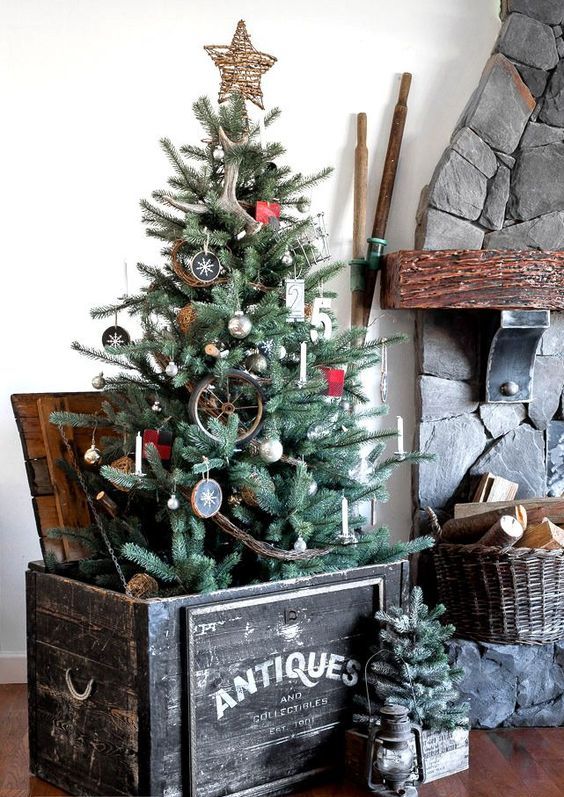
115,337
197,270
206,498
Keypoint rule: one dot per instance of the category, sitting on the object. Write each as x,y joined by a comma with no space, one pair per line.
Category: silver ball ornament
303,204
257,363
239,325
312,489
92,456
171,369
99,383
287,258
173,503
270,450
282,352
217,153
300,545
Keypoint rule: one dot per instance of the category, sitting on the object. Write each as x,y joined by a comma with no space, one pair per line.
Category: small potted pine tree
410,667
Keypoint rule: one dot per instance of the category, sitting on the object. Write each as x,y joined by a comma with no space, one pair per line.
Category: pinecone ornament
142,585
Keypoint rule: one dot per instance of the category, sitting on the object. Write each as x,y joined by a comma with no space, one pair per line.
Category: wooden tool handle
392,158
358,278
387,184
360,187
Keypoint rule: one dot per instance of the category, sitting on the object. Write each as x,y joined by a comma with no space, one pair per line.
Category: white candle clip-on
139,455
345,517
400,450
303,363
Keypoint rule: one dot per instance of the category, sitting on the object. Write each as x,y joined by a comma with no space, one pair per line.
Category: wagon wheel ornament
237,393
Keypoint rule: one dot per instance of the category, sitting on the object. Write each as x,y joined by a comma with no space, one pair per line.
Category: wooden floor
508,763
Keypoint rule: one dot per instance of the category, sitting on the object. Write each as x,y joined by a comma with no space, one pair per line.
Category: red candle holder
335,381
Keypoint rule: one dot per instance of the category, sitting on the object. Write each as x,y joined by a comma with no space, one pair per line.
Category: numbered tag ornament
321,323
295,298
206,498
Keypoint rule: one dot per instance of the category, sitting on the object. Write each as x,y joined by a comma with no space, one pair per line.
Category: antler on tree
228,200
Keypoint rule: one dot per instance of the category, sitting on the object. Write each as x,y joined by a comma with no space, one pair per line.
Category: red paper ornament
335,381
268,213
162,439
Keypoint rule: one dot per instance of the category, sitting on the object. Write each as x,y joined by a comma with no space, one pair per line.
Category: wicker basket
513,596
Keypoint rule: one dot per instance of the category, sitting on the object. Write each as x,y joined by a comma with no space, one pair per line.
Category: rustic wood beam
473,279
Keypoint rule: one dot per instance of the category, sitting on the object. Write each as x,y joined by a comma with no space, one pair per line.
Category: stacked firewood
503,524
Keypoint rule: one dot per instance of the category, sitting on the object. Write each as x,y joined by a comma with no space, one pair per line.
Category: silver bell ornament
287,258
99,383
270,450
92,455
303,204
239,325
256,362
300,545
157,406
173,503
171,369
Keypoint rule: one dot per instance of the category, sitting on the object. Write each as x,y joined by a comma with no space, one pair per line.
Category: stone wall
468,437
500,182
511,685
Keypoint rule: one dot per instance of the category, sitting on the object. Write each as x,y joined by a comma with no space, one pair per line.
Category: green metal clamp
370,262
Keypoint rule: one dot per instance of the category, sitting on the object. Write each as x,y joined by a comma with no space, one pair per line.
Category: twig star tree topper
241,66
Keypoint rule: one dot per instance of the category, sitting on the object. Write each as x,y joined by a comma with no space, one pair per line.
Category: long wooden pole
359,222
387,185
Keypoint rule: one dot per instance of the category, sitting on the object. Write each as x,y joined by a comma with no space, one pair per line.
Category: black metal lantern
390,753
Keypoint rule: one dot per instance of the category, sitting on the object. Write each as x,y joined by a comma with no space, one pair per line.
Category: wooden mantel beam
473,279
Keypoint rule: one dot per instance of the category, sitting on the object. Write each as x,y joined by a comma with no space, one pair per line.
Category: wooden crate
243,692
56,501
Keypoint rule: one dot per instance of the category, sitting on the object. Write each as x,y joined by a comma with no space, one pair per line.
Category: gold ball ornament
92,456
142,585
185,318
124,465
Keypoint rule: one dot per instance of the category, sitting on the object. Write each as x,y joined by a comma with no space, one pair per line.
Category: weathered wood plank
493,279
46,517
84,603
95,738
269,673
38,476
90,641
72,508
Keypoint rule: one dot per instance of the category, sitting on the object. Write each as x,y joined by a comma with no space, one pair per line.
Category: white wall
87,89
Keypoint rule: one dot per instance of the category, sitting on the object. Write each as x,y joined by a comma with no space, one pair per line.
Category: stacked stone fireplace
499,185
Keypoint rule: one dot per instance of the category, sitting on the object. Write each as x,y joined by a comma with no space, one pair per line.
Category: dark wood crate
56,500
201,695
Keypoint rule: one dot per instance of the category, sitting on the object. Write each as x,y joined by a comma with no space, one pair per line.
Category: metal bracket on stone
509,376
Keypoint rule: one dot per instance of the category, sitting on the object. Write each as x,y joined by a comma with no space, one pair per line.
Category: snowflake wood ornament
241,66
206,498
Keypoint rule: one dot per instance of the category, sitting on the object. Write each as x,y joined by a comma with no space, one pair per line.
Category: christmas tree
241,398
412,668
